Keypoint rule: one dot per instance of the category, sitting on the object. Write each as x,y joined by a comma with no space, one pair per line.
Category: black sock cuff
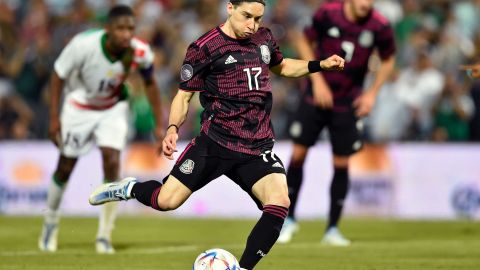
276,210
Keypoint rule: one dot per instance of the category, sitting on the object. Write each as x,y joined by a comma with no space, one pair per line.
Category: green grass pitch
172,244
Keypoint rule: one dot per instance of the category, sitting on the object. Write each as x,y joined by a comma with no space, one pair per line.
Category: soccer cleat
104,246
111,192
334,237
48,238
290,227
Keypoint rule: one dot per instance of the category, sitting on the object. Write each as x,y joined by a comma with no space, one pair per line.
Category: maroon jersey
233,78
355,42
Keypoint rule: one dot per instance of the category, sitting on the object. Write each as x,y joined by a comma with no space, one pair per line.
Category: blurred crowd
427,98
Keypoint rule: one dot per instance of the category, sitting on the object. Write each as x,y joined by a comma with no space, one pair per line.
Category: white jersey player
92,70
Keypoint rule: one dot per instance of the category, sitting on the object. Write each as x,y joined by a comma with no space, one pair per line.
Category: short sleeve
385,42
143,56
70,58
276,54
197,61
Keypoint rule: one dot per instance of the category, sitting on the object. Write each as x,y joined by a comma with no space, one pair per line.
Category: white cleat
48,238
290,227
104,246
111,192
333,237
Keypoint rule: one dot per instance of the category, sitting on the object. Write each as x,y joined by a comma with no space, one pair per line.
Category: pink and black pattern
233,78
355,41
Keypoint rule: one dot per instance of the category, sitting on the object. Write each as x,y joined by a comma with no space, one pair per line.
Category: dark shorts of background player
344,128
203,160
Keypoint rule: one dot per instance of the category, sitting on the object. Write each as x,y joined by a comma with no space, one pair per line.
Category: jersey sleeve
70,58
197,61
275,53
385,42
144,56
314,30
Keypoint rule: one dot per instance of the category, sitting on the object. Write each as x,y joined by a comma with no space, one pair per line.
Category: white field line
145,251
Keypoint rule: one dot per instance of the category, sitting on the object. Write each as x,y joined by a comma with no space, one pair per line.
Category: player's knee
280,199
168,203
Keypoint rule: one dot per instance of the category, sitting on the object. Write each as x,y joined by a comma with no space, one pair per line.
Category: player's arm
153,95
295,68
364,104
178,114
56,86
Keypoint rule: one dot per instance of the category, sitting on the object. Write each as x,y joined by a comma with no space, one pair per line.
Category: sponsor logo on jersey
187,166
230,60
366,39
265,51
334,32
186,72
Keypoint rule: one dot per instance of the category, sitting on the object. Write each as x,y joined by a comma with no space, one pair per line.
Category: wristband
314,66
173,125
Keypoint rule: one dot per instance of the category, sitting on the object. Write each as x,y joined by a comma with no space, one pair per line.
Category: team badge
334,32
187,166
186,72
265,51
366,39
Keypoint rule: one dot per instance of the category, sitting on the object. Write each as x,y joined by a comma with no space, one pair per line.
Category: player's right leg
304,130
48,238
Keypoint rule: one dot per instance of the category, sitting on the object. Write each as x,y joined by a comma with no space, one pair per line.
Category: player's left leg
111,135
108,213
272,192
345,130
338,193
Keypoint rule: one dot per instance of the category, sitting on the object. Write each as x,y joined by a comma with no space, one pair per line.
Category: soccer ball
216,259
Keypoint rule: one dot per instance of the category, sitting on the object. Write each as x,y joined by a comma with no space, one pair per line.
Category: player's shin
338,193
264,235
147,193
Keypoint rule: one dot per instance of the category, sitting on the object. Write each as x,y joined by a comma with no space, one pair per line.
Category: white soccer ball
216,259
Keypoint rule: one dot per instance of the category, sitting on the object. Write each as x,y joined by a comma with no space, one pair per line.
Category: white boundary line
146,251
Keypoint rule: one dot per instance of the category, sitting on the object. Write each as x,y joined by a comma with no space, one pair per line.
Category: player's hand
364,104
169,145
473,71
54,132
159,136
323,96
333,62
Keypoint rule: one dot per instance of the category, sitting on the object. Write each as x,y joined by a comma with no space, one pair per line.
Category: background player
229,66
335,100
92,69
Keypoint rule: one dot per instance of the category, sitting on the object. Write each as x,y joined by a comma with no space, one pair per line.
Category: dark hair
236,2
119,11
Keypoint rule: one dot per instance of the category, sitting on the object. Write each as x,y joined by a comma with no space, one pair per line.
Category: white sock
54,197
106,222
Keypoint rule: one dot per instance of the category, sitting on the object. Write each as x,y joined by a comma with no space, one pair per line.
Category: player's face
361,8
245,18
120,32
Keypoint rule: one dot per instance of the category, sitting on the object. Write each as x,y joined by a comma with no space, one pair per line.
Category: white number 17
255,77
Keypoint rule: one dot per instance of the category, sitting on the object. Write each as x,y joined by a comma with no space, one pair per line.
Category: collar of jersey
110,58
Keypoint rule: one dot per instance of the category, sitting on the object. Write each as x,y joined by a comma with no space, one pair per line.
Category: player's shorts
344,128
203,160
82,128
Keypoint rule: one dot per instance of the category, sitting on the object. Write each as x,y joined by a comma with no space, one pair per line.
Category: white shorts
82,128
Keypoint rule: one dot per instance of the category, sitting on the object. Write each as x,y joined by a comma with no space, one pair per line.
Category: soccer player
92,70
352,29
229,66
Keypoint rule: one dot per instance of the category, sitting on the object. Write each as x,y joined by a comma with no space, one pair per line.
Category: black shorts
344,128
203,160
